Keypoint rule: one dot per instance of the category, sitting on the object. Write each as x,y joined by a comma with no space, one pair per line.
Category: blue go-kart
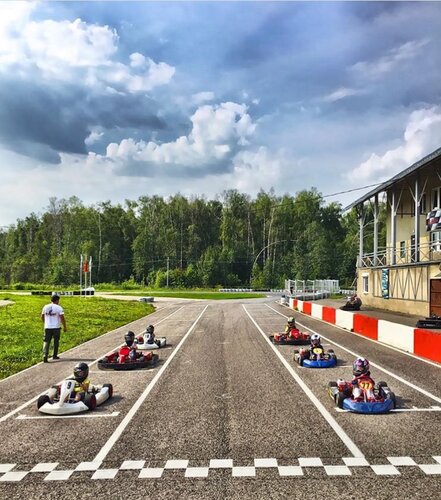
383,401
315,357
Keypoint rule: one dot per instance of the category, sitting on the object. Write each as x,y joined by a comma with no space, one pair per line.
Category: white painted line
88,466
338,470
401,461
63,417
385,470
430,468
59,475
396,410
265,462
438,459
24,405
44,467
437,365
221,463
13,476
105,474
176,464
310,462
6,467
243,471
290,470
151,473
125,422
132,465
196,472
355,462
352,447
397,377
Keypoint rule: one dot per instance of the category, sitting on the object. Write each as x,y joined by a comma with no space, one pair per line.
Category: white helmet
315,339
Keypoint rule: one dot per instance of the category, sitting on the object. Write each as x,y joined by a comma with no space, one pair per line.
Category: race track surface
224,415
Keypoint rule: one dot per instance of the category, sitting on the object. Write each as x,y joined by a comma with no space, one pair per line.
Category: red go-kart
123,359
293,337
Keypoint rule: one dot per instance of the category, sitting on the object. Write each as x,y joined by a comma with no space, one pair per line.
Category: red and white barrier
417,341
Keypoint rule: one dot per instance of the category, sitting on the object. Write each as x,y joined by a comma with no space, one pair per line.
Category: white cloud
201,97
421,136
340,93
385,64
95,135
77,52
216,133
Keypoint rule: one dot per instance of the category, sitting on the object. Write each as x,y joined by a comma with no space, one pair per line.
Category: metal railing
402,255
311,289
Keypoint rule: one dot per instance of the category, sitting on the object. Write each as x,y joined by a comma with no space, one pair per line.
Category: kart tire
43,399
339,398
300,360
110,387
381,384
391,396
90,401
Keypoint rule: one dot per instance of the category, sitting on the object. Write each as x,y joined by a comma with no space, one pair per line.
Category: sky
117,100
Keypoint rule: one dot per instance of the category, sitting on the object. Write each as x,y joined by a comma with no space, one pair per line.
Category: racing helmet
150,329
81,372
315,339
291,320
129,337
360,367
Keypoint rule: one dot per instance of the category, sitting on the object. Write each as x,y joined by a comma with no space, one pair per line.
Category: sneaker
45,360
55,357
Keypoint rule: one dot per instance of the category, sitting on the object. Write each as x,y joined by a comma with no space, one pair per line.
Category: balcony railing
408,254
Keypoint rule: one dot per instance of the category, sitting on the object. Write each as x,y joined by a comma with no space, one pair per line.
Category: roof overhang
405,173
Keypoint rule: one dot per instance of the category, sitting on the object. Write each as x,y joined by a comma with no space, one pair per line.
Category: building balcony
405,255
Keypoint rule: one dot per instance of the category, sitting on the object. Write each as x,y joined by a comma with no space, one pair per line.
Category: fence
311,289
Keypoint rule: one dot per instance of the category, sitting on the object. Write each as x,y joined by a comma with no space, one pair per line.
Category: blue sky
114,100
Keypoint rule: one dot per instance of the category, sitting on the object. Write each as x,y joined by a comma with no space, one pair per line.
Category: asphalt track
225,414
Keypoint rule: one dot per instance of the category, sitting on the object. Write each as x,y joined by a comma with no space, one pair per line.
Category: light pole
264,248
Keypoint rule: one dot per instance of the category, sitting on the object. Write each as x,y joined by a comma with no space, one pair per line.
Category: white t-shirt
52,313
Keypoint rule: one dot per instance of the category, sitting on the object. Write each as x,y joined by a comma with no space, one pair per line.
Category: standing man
53,317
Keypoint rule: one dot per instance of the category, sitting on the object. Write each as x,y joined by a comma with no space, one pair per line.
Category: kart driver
150,334
316,349
82,382
129,338
362,380
290,326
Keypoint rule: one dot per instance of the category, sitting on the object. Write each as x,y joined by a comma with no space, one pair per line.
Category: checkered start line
53,474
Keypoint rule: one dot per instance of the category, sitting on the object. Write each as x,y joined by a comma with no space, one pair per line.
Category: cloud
421,137
201,97
378,68
218,132
340,93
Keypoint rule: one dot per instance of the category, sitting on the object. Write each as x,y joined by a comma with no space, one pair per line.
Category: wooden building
405,275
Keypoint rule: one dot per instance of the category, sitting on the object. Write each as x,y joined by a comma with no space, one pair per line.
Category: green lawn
194,294
21,329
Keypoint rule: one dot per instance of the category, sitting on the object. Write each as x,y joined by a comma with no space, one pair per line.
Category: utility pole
168,268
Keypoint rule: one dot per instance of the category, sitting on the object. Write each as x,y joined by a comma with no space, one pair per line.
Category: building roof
405,173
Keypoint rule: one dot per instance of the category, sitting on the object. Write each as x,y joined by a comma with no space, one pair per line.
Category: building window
435,241
436,197
402,249
365,284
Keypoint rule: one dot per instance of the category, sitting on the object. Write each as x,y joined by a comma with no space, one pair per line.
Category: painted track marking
24,405
384,370
347,441
125,422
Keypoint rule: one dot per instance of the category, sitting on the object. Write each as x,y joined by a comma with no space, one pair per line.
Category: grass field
21,329
194,294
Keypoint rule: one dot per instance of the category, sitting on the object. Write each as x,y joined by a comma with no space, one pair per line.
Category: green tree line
234,240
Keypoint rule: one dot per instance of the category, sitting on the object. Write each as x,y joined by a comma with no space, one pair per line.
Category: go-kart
294,337
432,321
352,305
145,342
122,360
341,393
59,401
315,357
